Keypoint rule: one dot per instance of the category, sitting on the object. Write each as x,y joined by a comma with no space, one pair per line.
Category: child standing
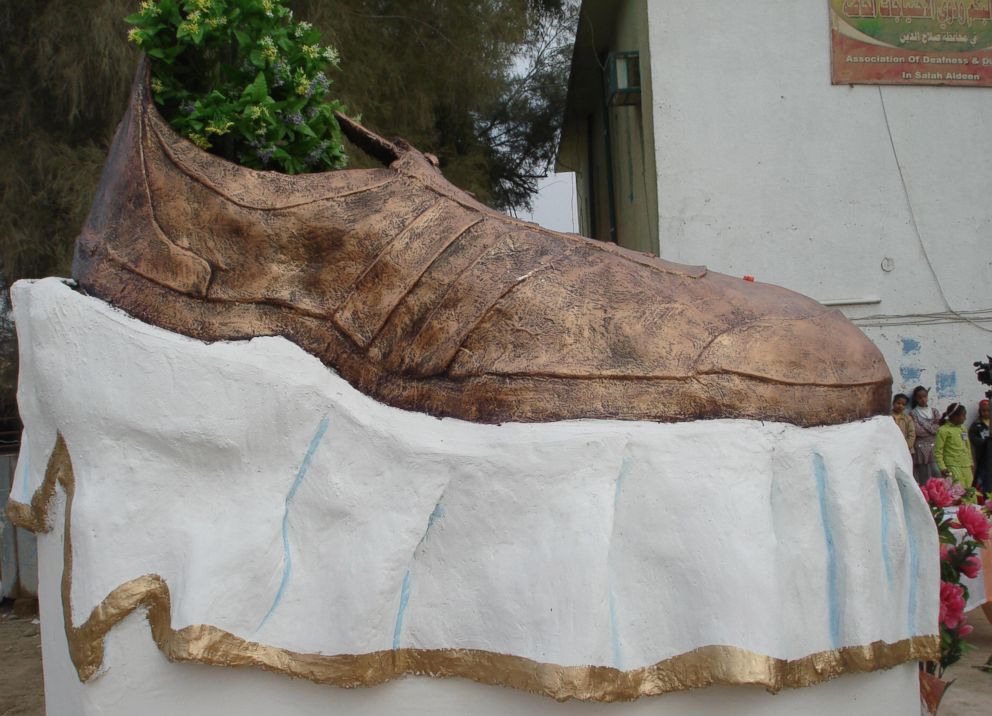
903,420
926,421
951,450
981,446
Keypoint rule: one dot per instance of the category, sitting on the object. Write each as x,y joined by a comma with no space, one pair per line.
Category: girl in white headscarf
927,422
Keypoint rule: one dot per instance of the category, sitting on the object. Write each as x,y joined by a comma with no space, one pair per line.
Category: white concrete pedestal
271,517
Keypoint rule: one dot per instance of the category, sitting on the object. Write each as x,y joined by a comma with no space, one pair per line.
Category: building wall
634,174
765,168
572,157
631,136
583,151
18,547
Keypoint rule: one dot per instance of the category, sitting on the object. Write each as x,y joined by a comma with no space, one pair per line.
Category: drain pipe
610,203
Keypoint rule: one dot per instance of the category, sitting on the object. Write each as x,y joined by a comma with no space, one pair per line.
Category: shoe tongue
375,146
399,154
403,157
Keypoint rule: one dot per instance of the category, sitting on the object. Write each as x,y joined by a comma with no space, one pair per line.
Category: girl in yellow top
951,449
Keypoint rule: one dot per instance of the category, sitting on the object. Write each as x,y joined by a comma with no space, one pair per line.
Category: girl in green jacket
951,449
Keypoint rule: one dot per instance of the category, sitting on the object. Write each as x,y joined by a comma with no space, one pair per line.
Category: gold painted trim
207,644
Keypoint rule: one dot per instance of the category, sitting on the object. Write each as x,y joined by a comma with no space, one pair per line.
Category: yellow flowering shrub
242,79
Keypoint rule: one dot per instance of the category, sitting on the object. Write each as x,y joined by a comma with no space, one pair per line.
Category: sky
554,205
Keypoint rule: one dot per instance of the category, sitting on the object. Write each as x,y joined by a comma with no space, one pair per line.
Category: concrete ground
22,691
22,688
971,693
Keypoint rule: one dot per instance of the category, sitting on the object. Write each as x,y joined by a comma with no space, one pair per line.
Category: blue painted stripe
883,498
834,594
909,492
947,385
910,346
611,598
287,558
436,514
404,601
614,629
910,374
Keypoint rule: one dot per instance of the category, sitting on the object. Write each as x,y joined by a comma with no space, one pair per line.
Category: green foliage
242,79
479,83
960,541
65,73
521,130
8,373
444,74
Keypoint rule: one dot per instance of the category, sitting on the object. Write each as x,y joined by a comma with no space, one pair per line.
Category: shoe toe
824,349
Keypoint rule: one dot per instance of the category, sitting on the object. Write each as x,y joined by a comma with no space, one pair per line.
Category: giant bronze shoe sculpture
427,300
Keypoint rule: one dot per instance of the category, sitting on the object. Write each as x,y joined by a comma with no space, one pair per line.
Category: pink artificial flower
964,629
951,604
976,523
944,552
954,489
971,566
937,493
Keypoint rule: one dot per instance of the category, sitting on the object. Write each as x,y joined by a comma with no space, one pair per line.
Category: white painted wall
765,168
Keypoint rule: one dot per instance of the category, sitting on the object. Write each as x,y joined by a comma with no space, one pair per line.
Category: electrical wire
924,319
592,40
916,226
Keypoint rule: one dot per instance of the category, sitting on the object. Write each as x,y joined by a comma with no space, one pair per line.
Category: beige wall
632,131
583,149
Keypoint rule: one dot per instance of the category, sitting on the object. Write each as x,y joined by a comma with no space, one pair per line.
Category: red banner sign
912,42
